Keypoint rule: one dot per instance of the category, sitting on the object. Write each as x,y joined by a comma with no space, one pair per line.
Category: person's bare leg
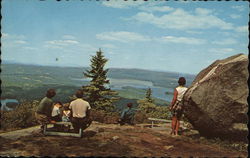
177,126
173,125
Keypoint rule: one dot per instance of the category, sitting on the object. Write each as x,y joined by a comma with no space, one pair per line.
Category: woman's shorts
177,113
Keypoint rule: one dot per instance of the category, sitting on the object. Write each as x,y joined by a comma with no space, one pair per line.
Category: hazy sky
157,35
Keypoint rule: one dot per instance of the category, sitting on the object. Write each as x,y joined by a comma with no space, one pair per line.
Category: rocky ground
112,140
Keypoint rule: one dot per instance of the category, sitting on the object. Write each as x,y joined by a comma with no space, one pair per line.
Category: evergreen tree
149,95
97,92
150,109
147,104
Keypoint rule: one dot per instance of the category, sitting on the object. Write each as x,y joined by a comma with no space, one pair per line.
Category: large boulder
216,102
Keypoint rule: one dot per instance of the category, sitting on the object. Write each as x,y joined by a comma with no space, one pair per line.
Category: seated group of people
77,112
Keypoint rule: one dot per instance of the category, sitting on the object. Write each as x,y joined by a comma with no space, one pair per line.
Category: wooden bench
162,120
158,120
59,133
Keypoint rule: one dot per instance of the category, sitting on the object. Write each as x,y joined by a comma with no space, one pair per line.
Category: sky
176,36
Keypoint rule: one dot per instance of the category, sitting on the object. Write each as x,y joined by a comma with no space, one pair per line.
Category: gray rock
217,99
114,138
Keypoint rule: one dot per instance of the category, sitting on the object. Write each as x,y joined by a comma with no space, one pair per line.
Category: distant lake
118,84
9,104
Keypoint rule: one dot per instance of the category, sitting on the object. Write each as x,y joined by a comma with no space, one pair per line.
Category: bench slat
162,120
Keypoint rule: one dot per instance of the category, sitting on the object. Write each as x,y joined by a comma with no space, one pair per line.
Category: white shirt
181,91
55,111
79,107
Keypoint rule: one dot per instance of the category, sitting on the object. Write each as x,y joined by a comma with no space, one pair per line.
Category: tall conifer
98,94
149,95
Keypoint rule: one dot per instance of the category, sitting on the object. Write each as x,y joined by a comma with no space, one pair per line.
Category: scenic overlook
133,78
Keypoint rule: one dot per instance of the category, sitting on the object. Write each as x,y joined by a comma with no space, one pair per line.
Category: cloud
243,29
111,53
20,42
5,35
122,36
221,51
156,8
239,7
30,48
12,36
111,46
202,11
182,20
194,32
11,40
88,47
235,16
60,43
183,40
228,41
70,37
123,4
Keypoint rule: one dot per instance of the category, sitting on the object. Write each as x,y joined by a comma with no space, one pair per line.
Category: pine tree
149,95
97,92
147,104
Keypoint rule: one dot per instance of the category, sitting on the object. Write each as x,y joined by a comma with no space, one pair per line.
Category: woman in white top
176,105
55,114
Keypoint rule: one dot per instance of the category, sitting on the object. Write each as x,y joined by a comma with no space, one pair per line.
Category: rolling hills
29,82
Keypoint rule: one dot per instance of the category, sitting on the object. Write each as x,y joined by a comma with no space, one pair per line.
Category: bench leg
44,129
80,132
152,125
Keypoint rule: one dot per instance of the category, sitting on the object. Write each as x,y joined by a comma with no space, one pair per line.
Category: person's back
44,110
181,91
176,105
80,110
79,107
45,106
127,115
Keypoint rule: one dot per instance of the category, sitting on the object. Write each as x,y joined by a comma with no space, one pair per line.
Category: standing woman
176,105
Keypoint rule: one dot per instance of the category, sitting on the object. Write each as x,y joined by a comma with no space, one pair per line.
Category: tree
147,104
149,95
97,92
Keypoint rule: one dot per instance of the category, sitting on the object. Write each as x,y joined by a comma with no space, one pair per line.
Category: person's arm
174,99
70,108
123,113
88,110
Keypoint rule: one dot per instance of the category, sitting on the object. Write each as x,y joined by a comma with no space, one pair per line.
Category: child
66,114
55,115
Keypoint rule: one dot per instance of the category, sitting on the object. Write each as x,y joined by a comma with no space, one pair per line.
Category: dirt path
19,133
109,140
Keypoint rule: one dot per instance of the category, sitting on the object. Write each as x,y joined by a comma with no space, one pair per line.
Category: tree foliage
148,108
149,95
98,93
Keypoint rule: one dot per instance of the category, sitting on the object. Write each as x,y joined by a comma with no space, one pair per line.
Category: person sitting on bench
43,113
56,113
127,115
66,114
80,111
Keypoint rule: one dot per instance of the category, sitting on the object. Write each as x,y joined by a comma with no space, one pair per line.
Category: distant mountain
34,78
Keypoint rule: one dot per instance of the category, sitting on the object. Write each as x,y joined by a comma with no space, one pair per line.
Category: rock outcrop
216,102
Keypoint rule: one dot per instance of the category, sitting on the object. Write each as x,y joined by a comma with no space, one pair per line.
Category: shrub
23,116
103,116
140,117
148,109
